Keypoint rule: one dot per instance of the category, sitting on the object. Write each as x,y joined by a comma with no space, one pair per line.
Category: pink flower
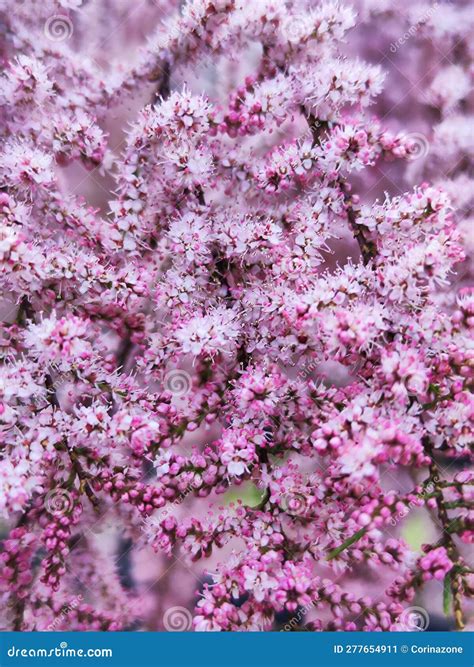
237,314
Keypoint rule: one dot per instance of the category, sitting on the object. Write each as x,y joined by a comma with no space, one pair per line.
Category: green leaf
335,552
447,595
434,388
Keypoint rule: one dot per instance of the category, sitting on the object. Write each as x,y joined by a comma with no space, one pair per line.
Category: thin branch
454,580
367,248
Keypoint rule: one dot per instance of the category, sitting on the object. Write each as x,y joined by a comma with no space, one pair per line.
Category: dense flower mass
236,359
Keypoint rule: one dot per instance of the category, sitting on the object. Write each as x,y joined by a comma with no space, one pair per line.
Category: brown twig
446,539
367,248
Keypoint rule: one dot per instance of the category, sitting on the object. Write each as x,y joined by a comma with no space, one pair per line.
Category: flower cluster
237,314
